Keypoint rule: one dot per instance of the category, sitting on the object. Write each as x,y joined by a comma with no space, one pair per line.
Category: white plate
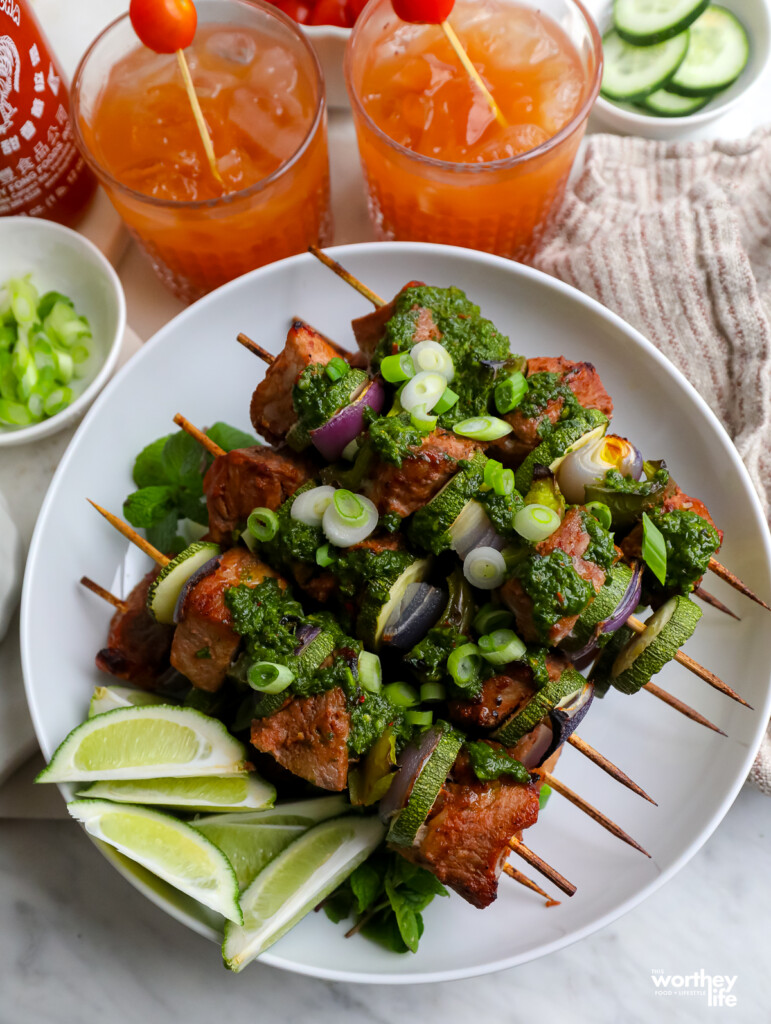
195,366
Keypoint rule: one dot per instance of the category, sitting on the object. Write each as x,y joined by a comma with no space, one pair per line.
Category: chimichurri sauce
554,587
544,388
316,398
490,763
691,541
393,438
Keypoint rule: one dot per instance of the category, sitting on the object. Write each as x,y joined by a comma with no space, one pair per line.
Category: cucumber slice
644,22
664,103
600,674
647,653
540,704
718,52
375,612
600,609
406,824
634,72
569,436
430,525
167,585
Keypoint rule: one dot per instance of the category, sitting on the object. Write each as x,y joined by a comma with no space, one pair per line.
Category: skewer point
607,766
587,808
733,581
346,276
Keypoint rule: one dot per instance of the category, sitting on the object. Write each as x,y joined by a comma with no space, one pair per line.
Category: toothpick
203,131
211,446
472,72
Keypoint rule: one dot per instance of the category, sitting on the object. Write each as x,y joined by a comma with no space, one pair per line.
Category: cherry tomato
330,12
164,25
297,10
353,9
423,12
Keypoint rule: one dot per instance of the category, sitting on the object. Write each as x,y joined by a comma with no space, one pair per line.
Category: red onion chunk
628,602
206,570
346,424
565,718
305,636
410,764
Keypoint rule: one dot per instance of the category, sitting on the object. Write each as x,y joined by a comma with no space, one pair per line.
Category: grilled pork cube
368,330
572,538
309,737
249,478
406,488
582,379
272,412
631,545
465,840
137,646
204,642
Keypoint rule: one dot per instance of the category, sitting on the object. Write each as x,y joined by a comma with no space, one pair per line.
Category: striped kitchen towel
676,239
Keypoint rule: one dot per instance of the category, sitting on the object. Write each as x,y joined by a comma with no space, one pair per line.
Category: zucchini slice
569,436
406,824
431,525
376,612
599,610
664,103
644,22
600,673
539,705
168,584
647,653
634,72
717,54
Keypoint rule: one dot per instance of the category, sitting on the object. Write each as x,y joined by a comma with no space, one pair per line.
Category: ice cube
234,46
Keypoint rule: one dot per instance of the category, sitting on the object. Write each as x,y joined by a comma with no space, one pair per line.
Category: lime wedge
249,848
166,846
306,813
226,793
292,884
152,742
108,698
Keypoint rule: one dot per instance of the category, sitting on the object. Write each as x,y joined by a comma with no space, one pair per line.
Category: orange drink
261,93
439,166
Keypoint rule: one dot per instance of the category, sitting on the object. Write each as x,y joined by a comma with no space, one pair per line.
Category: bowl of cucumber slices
674,65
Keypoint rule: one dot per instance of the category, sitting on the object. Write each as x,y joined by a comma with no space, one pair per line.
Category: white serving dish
62,260
11,566
630,120
194,366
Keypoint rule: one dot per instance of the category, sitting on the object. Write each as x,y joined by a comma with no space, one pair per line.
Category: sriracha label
41,172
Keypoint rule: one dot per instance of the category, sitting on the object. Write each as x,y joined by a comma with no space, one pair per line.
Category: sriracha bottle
42,174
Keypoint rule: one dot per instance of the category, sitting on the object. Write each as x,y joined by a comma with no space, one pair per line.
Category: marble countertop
78,944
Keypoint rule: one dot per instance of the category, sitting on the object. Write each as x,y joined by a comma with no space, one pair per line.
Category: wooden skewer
257,350
735,582
518,876
682,707
105,595
587,808
472,72
348,277
518,847
131,535
211,446
203,131
693,666
607,766
708,598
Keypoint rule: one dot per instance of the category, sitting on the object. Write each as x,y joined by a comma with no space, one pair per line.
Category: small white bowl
329,42
59,259
629,120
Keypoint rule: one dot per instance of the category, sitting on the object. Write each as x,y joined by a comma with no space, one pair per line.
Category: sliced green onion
269,677
434,358
425,388
504,483
324,556
310,506
501,646
654,549
484,568
493,469
483,428
401,694
79,354
446,402
64,366
420,718
262,524
349,519
543,796
601,513
422,419
35,404
57,401
510,392
397,367
337,368
349,507
430,692
24,298
15,413
370,672
465,664
536,522
491,617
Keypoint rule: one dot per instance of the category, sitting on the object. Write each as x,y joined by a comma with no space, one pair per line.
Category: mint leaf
192,506
149,470
163,535
149,505
182,461
366,884
228,437
406,917
427,884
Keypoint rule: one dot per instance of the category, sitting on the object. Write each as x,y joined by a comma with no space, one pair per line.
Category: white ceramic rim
634,338
56,423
